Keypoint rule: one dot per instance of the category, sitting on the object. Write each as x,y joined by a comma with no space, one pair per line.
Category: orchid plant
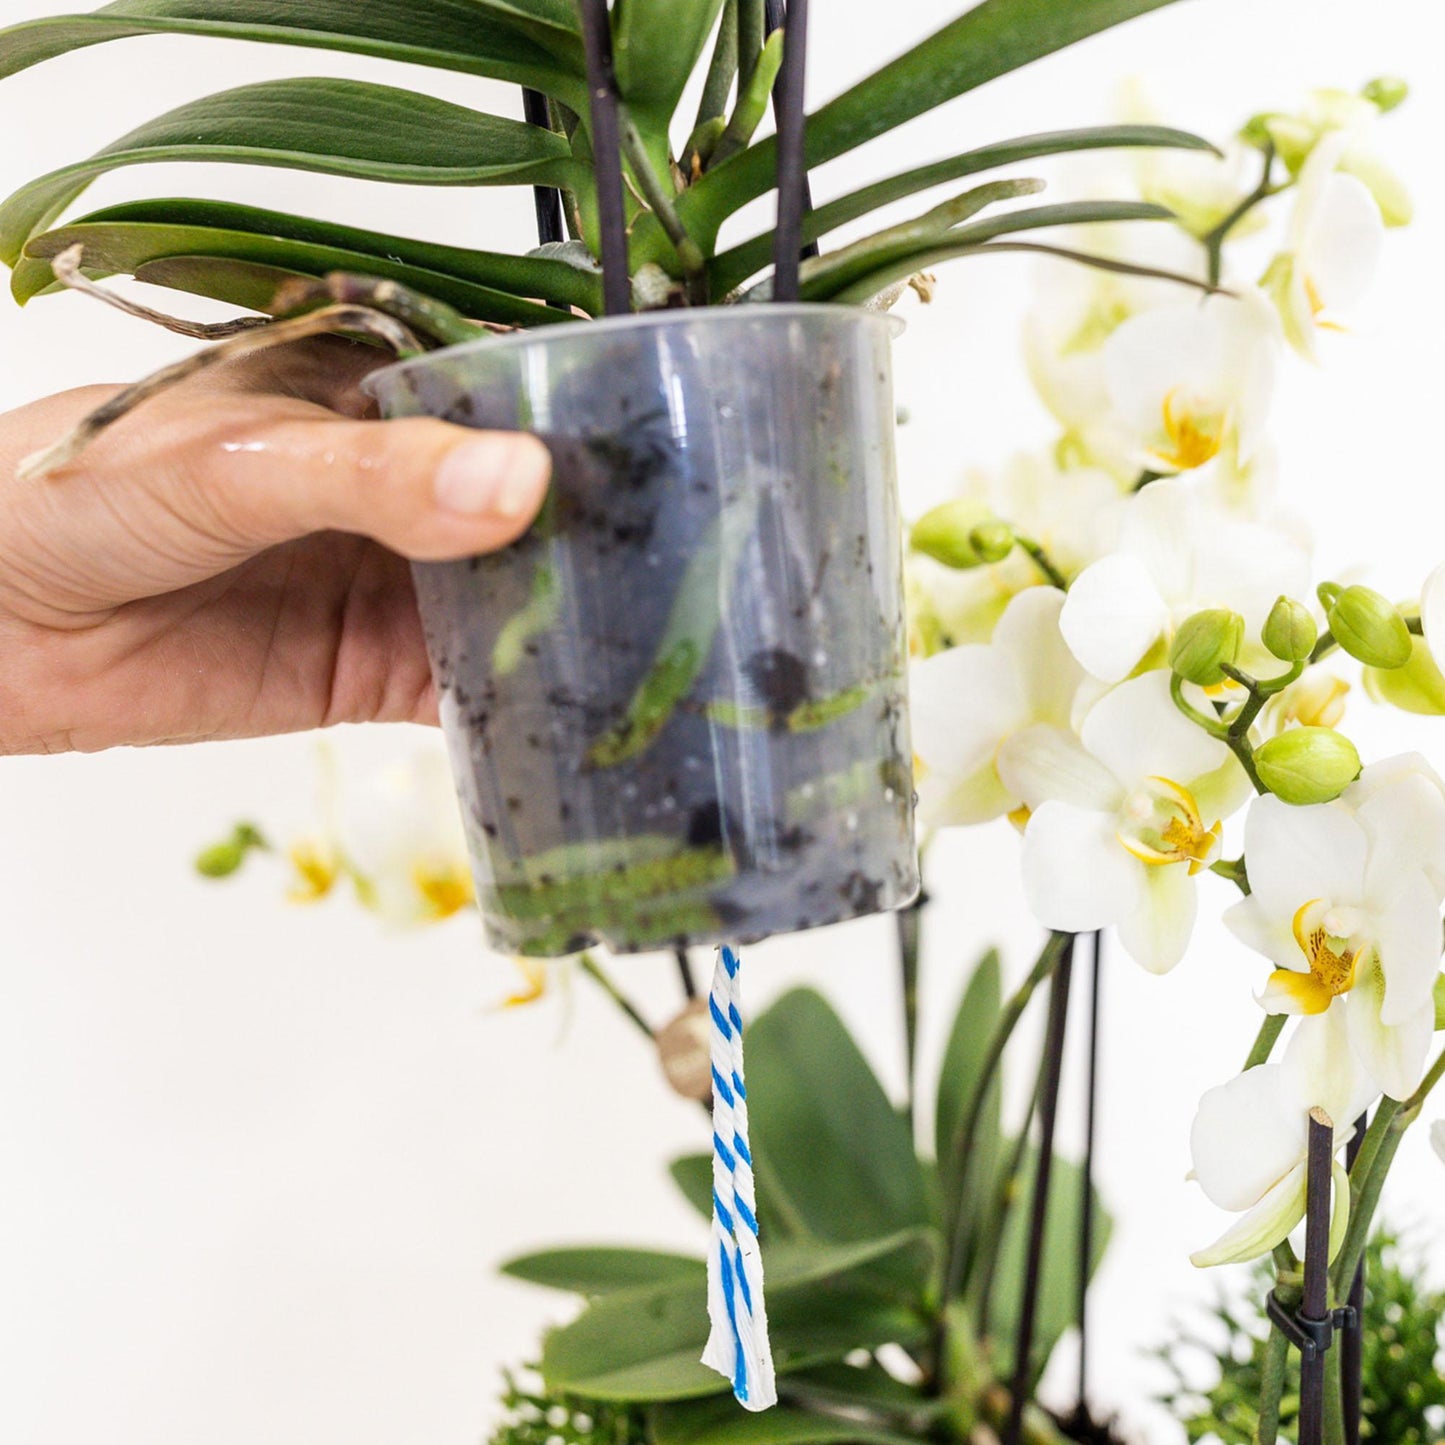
1117,648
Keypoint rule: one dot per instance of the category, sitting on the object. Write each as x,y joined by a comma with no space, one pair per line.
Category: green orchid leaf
243,278
655,46
731,268
120,239
524,42
824,1301
721,1422
838,270
963,1061
990,40
841,1153
600,1271
897,264
338,127
692,1173
1058,1301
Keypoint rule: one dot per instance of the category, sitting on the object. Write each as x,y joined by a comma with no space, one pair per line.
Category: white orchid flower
1342,907
967,702
1190,379
1250,1139
400,833
1122,818
1333,248
1329,113
1066,510
1077,309
1175,556
1432,614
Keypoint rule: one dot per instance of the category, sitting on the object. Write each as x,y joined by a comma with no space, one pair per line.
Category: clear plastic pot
677,708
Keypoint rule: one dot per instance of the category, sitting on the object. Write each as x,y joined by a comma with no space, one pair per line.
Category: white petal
1157,933
1077,876
1408,936
1245,1135
1137,732
1171,348
1432,614
1401,803
1322,1068
1044,762
946,801
1265,932
1160,526
1028,634
1263,1227
962,704
1342,251
1297,854
1113,616
1394,1054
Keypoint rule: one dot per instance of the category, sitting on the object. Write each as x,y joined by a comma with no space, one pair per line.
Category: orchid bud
1418,687
1289,631
1205,644
1307,765
946,532
221,860
1386,92
1369,627
993,541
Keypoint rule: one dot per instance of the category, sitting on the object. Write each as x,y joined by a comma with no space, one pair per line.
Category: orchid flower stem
1276,1363
593,970
960,1155
1234,870
908,922
1043,562
1265,1040
1214,240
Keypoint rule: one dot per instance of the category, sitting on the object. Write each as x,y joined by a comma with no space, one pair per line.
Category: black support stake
1086,1204
1315,1309
1048,1112
775,17
788,102
1352,1342
546,199
606,156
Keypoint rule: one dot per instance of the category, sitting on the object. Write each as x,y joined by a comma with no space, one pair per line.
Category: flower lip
1162,824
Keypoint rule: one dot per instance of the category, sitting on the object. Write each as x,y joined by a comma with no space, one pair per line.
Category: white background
257,1163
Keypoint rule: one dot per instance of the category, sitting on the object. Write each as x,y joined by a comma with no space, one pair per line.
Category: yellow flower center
1331,953
317,870
445,890
1162,824
1195,436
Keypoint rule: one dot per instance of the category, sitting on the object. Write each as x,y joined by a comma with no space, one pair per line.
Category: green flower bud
1289,631
1370,628
221,860
1204,642
946,533
993,541
1418,687
1386,91
1307,765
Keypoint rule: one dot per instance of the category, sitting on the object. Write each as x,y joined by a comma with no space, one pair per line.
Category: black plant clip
1311,1337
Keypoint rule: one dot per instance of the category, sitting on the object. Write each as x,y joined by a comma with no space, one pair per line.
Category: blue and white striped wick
737,1345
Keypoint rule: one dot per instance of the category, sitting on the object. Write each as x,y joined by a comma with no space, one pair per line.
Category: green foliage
854,1254
377,132
1404,1358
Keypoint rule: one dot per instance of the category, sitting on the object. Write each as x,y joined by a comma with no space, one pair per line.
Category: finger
208,480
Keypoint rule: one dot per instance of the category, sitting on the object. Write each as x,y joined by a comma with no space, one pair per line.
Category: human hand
229,561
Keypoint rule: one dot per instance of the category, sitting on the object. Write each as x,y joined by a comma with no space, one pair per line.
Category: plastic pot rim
378,380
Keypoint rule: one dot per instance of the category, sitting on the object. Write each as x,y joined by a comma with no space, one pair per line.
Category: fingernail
496,476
